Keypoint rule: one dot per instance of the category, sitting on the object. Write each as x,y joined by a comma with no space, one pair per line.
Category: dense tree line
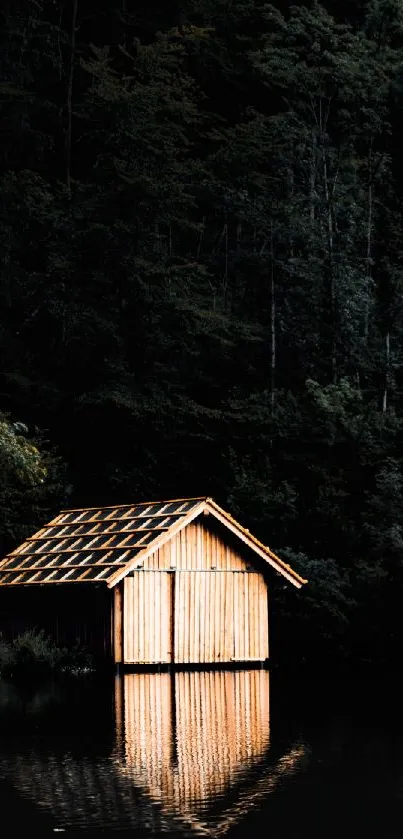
201,221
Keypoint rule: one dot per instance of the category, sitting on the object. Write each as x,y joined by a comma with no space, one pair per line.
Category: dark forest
201,288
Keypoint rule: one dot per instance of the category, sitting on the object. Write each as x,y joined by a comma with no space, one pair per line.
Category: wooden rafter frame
119,570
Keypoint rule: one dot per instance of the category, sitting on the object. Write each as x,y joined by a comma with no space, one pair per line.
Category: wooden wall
198,546
196,601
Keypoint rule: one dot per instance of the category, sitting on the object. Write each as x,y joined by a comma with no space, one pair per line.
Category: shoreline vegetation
34,655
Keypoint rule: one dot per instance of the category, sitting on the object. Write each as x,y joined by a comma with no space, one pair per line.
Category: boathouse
171,582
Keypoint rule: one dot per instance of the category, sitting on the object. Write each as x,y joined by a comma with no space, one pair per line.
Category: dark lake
203,754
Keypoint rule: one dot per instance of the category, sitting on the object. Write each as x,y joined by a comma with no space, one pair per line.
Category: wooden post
118,628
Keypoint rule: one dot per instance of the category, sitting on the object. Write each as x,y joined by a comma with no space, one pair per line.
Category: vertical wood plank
253,608
257,624
185,551
239,580
259,618
208,551
223,628
215,551
211,616
199,543
194,545
126,589
218,553
118,623
169,616
135,635
236,616
175,612
151,580
181,615
156,630
188,626
196,617
207,599
202,622
192,615
149,615
152,561
173,547
228,617
146,619
247,654
241,616
136,617
215,604
141,614
263,620
165,620
217,616
130,625
205,548
224,618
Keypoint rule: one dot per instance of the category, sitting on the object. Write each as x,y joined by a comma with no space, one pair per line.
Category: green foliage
30,481
19,458
33,655
322,614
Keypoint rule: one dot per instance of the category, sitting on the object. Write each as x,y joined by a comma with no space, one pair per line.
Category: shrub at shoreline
34,654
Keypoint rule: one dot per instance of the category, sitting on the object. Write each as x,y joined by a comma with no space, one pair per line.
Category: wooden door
147,637
220,616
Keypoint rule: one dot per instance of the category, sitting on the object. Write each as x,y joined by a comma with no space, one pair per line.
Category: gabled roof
104,544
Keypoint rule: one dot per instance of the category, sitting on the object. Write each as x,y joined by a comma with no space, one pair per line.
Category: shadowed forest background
201,218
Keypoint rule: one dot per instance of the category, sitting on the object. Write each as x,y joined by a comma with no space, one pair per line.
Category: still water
202,754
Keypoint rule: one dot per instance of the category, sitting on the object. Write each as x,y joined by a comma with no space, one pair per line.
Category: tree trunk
387,372
272,292
368,249
224,282
312,180
70,92
330,280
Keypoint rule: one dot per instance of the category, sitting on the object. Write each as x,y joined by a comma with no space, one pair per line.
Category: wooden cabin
162,583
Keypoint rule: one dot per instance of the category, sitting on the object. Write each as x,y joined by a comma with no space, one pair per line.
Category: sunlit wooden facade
171,583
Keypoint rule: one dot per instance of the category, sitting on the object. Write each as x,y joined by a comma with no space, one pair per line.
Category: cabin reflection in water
188,736
191,753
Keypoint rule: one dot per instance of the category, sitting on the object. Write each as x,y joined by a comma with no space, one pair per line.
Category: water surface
208,753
